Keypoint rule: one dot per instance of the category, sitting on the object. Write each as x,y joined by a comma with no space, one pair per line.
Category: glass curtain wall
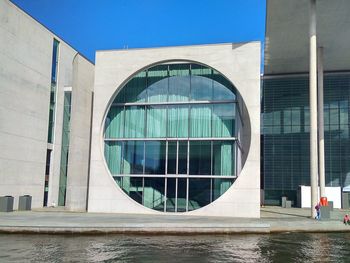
52,109
64,148
170,137
286,131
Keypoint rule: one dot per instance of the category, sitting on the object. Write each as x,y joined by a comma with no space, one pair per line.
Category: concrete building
172,129
177,130
45,85
295,32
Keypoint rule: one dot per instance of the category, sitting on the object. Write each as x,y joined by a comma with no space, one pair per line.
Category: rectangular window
178,121
223,120
156,122
200,125
155,157
201,83
64,149
133,157
200,158
134,122
179,82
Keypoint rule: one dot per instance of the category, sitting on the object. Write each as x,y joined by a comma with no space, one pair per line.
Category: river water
133,248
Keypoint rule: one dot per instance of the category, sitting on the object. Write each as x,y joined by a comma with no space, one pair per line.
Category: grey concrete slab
273,220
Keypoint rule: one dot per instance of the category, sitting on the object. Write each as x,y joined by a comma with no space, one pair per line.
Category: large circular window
171,137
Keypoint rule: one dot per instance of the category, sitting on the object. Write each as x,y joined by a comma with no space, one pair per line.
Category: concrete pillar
321,163
313,109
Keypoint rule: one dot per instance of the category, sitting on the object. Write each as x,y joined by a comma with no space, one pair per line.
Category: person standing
318,207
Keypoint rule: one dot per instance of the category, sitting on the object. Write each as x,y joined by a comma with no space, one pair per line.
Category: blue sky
90,25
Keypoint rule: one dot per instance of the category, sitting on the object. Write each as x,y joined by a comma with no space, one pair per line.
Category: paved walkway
273,220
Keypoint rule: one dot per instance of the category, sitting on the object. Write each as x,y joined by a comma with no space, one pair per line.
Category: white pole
321,164
313,109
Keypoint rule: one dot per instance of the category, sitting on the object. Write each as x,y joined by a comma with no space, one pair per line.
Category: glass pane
156,122
172,157
182,169
157,81
179,82
223,89
54,61
224,120
133,157
200,158
201,83
178,121
171,197
134,122
136,188
115,122
153,196
200,124
198,193
220,186
181,194
135,89
113,155
223,157
155,157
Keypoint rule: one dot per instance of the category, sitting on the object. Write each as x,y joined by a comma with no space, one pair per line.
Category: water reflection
128,248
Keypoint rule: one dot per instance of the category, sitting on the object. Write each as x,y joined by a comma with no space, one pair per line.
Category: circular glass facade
170,139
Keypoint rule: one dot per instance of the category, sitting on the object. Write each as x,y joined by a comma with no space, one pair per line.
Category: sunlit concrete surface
273,220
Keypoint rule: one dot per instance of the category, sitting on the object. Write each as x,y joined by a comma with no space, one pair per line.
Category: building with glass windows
285,103
177,130
45,112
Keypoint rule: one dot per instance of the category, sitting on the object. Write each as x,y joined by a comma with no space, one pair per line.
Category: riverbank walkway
273,220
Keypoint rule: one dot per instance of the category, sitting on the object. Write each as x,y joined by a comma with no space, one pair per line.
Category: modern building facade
45,111
286,104
173,129
177,130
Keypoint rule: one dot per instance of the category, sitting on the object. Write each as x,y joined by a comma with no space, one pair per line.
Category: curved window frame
146,136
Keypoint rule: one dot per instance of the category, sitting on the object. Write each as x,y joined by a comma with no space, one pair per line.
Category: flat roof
287,35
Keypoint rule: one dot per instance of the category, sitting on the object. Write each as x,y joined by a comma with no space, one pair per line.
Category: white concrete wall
25,80
240,63
79,146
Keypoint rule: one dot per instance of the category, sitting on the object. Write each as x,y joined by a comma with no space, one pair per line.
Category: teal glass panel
158,83
172,153
115,122
134,90
54,61
64,149
113,155
223,157
153,196
201,83
171,194
182,157
200,125
133,157
134,122
224,120
179,82
223,89
136,190
178,121
200,158
155,157
220,186
181,194
156,121
199,193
